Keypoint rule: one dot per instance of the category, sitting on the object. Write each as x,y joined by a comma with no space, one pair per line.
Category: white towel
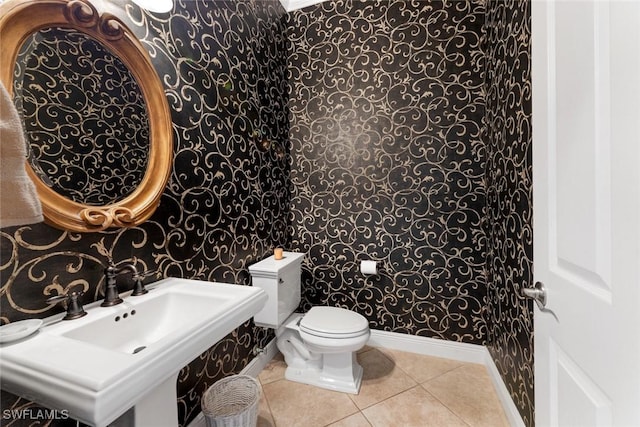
19,202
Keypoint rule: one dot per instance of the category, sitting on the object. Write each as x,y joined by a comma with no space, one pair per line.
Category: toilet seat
333,322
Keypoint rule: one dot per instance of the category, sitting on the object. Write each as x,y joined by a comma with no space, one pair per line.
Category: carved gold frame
19,19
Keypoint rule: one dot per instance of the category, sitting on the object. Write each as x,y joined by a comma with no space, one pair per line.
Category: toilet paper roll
368,267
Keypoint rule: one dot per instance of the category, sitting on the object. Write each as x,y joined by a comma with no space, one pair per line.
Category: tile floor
398,390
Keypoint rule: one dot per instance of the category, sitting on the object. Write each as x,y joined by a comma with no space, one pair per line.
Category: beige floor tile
294,404
355,420
412,408
469,393
264,414
420,367
381,379
274,370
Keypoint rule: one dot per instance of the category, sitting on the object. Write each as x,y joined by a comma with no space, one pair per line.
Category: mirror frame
18,20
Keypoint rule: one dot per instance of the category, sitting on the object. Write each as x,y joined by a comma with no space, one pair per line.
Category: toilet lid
333,321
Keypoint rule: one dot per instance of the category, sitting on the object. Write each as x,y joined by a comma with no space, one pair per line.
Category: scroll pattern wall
223,65
388,161
509,198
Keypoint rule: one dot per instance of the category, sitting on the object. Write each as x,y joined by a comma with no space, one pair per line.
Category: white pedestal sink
129,355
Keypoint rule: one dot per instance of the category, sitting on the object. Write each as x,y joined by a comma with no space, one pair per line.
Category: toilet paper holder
368,267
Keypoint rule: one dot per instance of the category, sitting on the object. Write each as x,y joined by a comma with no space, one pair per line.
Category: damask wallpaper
396,131
509,197
223,65
388,162
411,141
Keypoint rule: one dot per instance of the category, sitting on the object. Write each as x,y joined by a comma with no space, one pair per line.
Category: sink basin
145,322
99,366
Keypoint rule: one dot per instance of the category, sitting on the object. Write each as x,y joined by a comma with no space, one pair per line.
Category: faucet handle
74,305
147,273
57,298
138,285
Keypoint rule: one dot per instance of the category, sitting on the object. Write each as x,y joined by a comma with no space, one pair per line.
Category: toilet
318,346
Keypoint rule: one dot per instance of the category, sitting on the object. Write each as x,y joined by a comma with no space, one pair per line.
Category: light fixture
159,6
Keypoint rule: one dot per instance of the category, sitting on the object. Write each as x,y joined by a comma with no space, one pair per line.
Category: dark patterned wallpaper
223,65
388,162
393,158
509,197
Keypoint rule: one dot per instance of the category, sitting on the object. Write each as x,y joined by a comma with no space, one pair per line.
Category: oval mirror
96,119
85,121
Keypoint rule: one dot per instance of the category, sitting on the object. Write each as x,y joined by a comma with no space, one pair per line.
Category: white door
586,162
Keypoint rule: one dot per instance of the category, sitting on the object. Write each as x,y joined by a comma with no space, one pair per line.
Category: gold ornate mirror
138,133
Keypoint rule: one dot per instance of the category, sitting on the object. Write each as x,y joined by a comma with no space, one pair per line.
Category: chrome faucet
111,296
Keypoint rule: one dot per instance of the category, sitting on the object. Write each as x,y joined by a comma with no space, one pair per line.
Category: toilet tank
280,279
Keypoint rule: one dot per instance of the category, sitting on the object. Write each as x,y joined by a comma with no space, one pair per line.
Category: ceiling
290,5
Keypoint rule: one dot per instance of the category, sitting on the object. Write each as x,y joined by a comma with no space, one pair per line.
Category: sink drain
139,349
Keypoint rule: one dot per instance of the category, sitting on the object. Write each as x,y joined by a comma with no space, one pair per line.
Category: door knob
538,293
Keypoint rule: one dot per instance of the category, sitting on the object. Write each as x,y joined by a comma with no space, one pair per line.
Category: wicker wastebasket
232,402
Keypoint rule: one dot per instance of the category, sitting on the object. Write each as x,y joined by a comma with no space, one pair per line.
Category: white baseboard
470,353
510,410
260,361
252,369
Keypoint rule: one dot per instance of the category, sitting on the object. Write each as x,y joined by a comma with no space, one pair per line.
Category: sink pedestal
159,407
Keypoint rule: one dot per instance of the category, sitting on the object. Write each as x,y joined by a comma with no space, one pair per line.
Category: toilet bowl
319,346
319,354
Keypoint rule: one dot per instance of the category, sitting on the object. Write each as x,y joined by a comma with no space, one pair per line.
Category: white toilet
319,346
